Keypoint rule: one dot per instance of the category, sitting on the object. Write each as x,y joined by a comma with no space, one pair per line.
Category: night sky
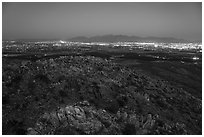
67,20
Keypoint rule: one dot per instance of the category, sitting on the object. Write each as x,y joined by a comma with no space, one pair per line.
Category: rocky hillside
89,95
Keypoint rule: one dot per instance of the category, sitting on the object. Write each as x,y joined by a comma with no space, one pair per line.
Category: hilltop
91,95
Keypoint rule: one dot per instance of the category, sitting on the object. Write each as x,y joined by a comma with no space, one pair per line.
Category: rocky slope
89,95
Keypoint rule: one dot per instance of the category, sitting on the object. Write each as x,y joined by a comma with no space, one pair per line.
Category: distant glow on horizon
62,41
195,58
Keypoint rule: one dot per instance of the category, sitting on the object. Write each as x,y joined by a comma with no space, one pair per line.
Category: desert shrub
129,129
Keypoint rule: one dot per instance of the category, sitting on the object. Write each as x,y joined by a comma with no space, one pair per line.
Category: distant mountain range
123,38
114,38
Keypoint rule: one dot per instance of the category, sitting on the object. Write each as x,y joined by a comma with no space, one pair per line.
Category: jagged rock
31,131
73,116
89,120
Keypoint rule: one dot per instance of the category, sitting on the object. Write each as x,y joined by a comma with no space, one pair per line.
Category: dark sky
67,20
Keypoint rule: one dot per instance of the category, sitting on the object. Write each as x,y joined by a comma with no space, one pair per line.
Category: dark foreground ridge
91,95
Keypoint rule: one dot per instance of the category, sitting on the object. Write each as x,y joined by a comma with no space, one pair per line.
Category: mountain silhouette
124,38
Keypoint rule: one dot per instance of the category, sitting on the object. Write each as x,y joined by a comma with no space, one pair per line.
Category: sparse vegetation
119,99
